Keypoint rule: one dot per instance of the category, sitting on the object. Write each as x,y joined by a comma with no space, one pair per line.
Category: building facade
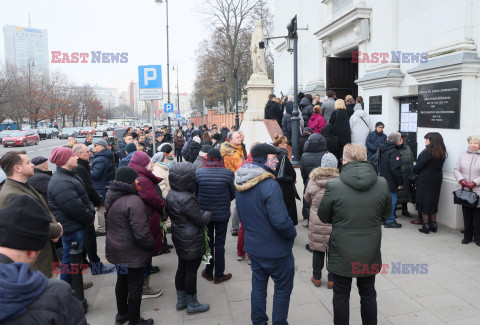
107,96
415,63
24,45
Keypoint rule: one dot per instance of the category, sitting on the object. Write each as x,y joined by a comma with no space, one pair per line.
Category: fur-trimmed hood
320,173
228,149
249,176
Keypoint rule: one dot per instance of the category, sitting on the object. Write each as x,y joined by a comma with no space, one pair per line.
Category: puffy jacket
333,144
129,240
193,150
83,171
318,232
373,141
391,165
341,126
360,127
215,190
307,109
287,122
101,170
355,204
468,168
39,181
316,123
27,297
315,148
161,171
232,155
327,108
153,202
303,140
125,161
269,231
188,220
273,111
68,201
404,195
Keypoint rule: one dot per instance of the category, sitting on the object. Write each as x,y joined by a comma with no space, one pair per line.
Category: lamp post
178,95
30,92
169,129
293,36
235,75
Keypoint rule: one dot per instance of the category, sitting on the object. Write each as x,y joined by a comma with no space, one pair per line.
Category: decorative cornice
343,22
383,78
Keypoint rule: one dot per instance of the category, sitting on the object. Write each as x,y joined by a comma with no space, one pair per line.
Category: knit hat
131,147
205,148
61,155
38,160
158,157
100,142
214,155
262,150
126,175
379,123
166,147
104,134
329,161
217,137
24,224
195,133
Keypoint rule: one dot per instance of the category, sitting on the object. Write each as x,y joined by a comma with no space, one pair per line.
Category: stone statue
258,54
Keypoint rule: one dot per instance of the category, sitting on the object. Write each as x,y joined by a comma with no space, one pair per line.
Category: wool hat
203,152
61,155
131,147
214,155
195,133
166,147
262,150
24,224
38,160
104,134
126,175
329,161
217,137
379,123
100,142
158,157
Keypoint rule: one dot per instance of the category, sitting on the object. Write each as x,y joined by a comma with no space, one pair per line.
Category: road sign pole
153,130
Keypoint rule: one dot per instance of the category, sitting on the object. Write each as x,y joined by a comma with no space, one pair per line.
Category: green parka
355,204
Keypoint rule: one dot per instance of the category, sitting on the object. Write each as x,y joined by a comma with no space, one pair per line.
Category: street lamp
178,95
235,75
293,36
30,117
169,129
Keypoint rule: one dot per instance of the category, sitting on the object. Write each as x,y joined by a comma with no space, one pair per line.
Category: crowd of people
192,184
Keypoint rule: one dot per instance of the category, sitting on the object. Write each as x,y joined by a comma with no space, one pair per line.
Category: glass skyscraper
24,43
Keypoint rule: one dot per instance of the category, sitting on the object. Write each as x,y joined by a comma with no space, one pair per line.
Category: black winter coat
83,171
193,150
287,122
129,240
391,165
215,190
307,109
188,220
333,144
273,111
341,126
315,148
303,140
224,132
429,182
68,201
101,170
39,181
373,142
288,187
350,109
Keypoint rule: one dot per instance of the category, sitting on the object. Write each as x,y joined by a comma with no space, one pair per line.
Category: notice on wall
439,105
405,107
375,105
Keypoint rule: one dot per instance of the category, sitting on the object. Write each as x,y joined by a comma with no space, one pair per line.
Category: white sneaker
240,258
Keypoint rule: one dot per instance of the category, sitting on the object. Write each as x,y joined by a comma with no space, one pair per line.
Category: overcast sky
136,27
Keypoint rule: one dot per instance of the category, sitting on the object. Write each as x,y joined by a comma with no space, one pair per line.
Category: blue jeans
67,240
217,247
394,204
282,271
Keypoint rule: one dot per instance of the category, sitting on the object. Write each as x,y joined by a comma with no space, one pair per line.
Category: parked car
68,132
52,133
5,133
21,138
88,130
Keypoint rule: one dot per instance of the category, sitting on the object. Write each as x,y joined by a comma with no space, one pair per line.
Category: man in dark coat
333,144
306,107
215,192
102,174
41,177
27,296
390,167
374,139
68,201
304,137
355,204
224,132
194,147
83,171
287,122
127,138
273,111
269,233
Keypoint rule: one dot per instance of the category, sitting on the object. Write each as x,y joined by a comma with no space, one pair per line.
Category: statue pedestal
254,126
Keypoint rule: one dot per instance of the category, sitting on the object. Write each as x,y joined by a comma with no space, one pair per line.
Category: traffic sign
150,82
179,115
168,107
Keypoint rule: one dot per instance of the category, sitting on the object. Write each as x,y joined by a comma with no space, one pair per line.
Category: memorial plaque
375,105
439,105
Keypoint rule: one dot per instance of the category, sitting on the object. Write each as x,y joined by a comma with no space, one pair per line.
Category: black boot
405,212
425,229
433,226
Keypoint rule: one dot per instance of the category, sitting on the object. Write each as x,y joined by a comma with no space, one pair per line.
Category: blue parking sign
179,115
149,76
168,107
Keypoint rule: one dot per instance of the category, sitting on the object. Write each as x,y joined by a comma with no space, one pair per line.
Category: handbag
282,175
465,198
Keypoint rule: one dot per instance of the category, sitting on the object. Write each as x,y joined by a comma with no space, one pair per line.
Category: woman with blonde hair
341,123
350,104
286,177
71,143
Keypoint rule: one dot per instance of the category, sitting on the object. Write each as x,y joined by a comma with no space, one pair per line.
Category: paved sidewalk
448,294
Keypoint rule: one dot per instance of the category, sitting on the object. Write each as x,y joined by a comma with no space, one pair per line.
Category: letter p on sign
149,76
